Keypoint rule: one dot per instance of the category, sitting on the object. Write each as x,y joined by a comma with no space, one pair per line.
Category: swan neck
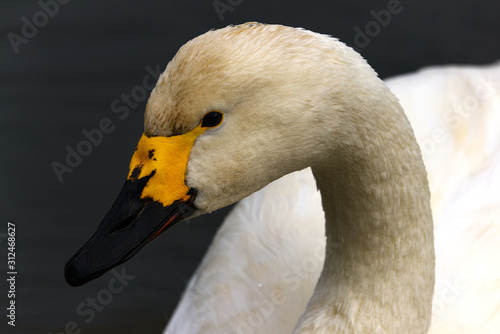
378,275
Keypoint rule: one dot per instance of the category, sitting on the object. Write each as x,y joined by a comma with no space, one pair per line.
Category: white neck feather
378,275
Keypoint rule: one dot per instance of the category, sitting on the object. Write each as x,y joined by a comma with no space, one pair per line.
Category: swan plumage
239,285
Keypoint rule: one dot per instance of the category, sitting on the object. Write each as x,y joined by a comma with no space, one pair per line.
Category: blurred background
65,66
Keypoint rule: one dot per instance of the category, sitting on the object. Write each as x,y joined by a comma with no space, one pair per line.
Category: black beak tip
81,268
74,280
74,274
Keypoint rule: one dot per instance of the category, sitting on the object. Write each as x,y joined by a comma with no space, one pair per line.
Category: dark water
64,80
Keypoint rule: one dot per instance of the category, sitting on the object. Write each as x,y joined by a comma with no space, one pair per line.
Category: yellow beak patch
167,158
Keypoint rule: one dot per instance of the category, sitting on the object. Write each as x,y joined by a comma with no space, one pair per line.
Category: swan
451,110
240,107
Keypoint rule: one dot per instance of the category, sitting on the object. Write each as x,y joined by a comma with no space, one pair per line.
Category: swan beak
153,198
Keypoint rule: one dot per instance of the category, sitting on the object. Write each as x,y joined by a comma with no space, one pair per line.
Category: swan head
235,109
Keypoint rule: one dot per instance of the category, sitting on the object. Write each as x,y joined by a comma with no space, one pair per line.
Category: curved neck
378,275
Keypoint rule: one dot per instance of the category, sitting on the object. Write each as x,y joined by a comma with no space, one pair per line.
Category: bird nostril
127,221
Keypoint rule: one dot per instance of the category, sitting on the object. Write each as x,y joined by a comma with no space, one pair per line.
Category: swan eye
211,119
